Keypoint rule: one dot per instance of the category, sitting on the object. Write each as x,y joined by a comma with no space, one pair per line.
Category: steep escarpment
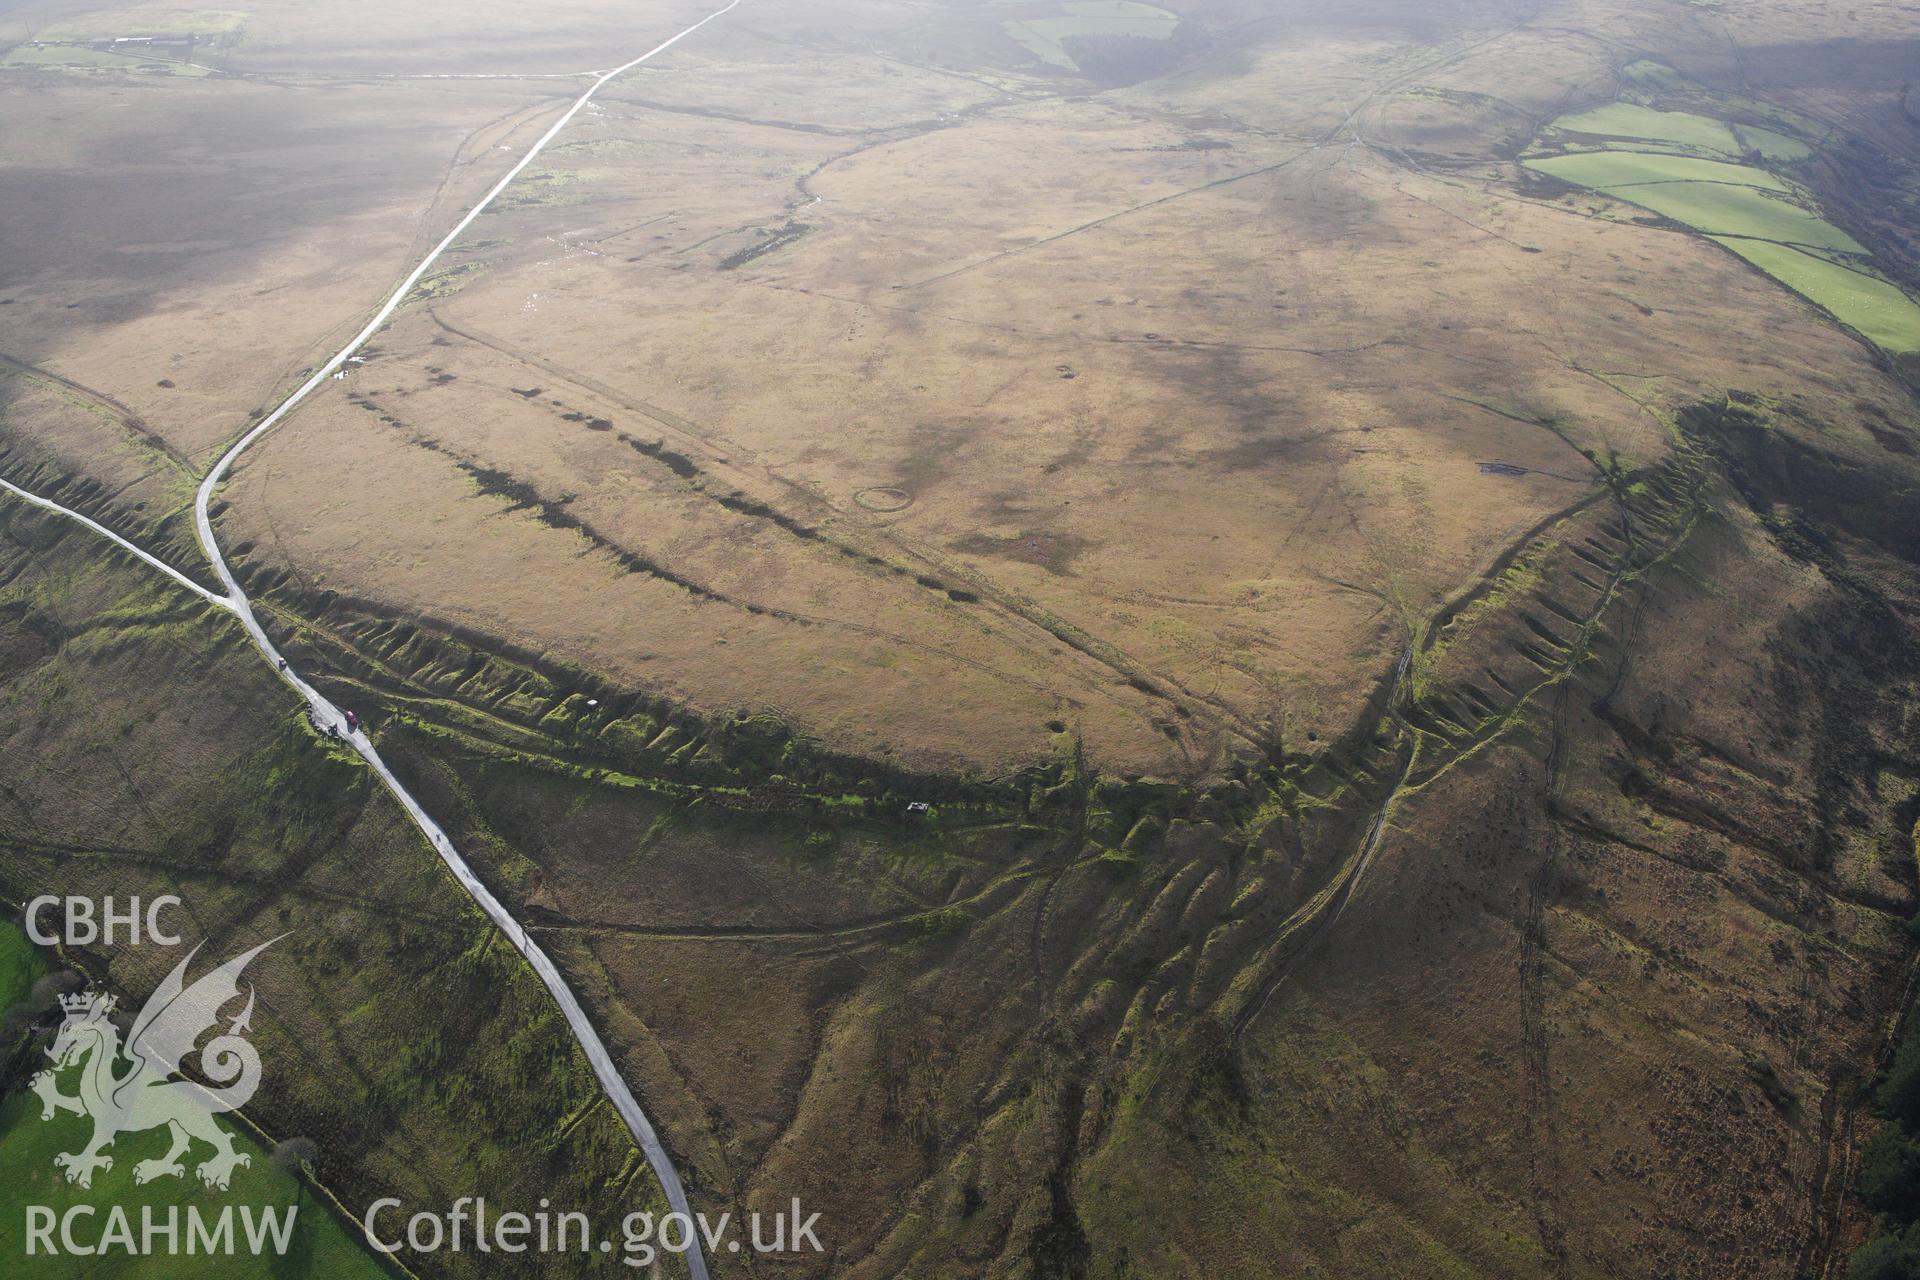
408,1051
1610,998
1573,956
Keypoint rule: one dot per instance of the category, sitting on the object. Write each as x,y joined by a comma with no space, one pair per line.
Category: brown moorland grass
1180,442
676,434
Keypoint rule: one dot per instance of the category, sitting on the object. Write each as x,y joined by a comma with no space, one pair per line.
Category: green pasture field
1767,220
1873,307
1627,120
1734,201
1043,36
146,20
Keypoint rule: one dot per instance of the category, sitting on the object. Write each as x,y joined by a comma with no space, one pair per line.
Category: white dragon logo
146,1096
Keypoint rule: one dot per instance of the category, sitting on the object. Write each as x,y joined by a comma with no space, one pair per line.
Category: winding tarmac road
327,715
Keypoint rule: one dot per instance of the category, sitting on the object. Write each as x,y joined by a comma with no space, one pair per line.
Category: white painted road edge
329,716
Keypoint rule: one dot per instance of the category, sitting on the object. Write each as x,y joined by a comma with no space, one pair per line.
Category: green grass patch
1044,36
1870,306
943,923
321,1244
70,58
1772,223
1771,145
1605,170
554,186
1650,76
1626,120
146,20
20,966
1714,198
1805,126
1718,209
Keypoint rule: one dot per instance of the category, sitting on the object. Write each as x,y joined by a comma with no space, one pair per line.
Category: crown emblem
86,1002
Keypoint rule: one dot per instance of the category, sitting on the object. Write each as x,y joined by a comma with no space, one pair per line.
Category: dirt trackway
328,715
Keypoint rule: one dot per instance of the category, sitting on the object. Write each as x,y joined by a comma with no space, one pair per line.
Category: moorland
1381,536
